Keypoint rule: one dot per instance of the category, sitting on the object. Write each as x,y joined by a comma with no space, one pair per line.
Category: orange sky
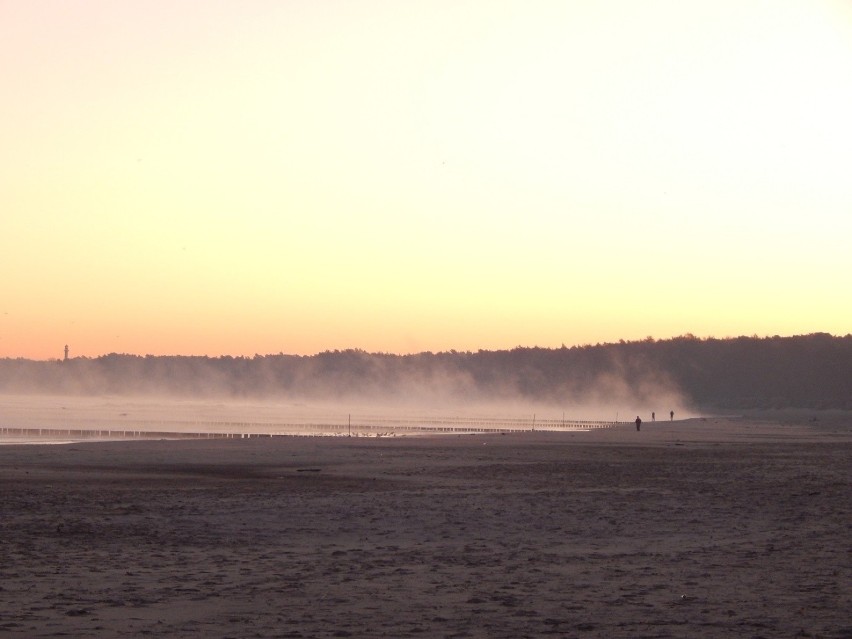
190,177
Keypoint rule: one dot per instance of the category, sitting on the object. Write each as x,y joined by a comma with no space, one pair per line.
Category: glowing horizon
261,177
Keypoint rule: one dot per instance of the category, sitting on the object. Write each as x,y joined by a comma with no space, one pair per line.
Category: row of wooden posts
280,430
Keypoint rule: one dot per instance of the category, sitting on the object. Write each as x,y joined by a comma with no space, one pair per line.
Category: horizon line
648,339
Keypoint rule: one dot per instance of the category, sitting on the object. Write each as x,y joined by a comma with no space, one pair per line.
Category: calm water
38,419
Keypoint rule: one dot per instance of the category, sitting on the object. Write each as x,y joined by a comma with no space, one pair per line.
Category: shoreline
804,425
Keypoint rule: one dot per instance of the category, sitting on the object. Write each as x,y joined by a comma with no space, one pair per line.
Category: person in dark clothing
671,415
638,422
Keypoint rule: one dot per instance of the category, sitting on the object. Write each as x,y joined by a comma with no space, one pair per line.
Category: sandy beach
723,527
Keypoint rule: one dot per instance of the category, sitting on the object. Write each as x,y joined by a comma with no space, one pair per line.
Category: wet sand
713,528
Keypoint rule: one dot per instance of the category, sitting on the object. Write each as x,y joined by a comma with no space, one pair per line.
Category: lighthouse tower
66,352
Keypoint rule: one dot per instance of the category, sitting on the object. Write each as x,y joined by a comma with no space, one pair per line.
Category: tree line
807,371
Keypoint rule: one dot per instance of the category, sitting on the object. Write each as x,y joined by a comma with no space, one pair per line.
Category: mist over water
121,416
336,393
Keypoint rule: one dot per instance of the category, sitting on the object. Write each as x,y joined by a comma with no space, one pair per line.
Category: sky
223,177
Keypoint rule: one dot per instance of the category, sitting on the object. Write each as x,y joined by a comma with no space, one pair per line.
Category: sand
702,528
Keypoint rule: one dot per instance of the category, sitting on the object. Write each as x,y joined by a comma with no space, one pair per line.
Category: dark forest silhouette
809,371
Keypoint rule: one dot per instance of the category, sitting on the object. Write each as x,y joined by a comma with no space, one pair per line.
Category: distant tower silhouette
66,352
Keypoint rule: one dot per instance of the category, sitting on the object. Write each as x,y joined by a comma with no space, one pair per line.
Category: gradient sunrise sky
258,176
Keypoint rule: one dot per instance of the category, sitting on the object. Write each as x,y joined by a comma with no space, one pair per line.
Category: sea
39,419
